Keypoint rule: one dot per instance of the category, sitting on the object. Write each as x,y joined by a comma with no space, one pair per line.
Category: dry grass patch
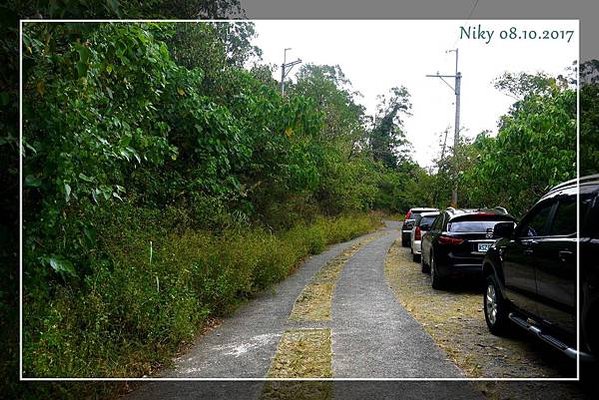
455,320
297,390
314,303
303,353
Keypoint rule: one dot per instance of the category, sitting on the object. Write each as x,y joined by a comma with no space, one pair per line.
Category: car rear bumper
455,266
416,247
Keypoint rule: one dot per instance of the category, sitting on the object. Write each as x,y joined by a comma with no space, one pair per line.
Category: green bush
156,289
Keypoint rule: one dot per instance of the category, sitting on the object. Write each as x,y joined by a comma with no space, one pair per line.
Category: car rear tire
436,281
423,266
495,307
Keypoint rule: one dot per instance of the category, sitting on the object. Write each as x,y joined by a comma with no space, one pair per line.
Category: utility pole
444,143
284,70
456,138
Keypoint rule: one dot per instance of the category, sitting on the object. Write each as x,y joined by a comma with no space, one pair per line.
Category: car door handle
528,252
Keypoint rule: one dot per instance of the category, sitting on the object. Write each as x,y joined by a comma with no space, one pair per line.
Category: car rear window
471,226
427,220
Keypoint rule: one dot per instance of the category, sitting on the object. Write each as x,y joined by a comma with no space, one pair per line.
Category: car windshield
471,226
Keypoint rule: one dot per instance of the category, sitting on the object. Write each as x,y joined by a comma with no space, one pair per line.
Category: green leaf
4,98
90,234
67,192
33,181
61,266
85,177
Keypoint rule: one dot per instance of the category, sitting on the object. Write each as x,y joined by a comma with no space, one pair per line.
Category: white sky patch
376,55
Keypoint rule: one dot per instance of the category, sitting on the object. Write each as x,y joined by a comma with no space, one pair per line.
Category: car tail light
417,234
450,240
408,215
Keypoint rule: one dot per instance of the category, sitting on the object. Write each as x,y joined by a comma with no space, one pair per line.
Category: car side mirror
504,229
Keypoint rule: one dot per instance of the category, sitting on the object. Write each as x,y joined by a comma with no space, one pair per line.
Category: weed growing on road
303,353
297,390
314,302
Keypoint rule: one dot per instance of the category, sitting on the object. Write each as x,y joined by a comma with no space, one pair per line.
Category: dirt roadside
455,320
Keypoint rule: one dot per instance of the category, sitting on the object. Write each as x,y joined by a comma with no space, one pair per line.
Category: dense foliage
589,118
534,149
161,189
166,179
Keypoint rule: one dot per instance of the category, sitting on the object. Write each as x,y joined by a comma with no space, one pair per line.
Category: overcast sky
376,55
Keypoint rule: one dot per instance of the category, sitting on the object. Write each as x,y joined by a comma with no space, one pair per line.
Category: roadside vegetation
167,180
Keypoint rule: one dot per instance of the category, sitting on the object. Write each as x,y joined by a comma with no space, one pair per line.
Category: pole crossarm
286,68
447,83
290,65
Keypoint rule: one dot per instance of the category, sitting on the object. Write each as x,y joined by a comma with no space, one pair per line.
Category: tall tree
534,149
333,94
589,117
387,139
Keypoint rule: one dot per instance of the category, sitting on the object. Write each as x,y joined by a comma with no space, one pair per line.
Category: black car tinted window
589,214
564,222
471,226
437,223
426,221
535,223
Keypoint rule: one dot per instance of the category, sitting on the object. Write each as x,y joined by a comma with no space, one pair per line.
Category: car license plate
483,247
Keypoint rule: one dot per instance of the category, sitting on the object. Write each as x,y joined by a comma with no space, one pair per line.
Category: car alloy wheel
491,304
496,308
436,281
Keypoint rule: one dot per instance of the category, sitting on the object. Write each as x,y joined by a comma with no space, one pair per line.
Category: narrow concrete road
373,336
243,346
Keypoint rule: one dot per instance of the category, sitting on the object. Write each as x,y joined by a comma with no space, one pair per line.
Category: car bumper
457,266
416,247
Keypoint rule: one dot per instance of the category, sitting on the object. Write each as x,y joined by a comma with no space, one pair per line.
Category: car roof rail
583,179
502,209
450,208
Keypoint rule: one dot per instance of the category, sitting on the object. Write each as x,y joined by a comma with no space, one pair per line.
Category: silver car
421,225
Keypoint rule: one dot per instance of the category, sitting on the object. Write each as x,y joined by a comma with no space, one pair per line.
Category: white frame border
149,379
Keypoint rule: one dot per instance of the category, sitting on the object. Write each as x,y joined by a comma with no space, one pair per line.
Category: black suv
531,271
457,242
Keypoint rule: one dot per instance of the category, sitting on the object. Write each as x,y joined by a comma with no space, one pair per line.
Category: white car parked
422,224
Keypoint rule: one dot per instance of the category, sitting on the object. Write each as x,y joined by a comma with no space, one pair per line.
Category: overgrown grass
157,288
